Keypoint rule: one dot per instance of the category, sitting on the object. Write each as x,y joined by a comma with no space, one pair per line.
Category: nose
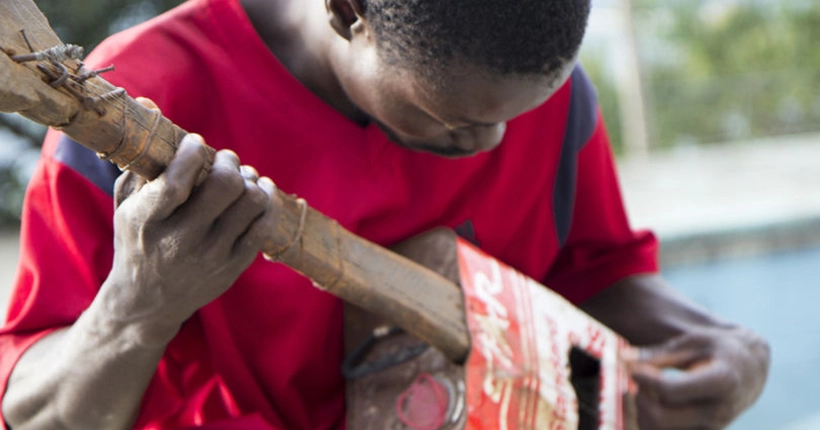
479,139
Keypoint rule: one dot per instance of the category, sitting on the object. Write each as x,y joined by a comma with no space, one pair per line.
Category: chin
450,152
446,151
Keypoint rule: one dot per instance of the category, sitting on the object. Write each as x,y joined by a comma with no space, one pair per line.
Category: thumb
681,352
127,184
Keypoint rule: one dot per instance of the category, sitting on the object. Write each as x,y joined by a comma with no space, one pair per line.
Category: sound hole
585,376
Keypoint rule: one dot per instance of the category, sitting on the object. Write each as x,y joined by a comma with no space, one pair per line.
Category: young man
390,116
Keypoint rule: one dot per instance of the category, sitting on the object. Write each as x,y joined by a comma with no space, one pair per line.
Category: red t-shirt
266,354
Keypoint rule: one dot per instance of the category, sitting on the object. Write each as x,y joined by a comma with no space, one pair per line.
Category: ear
344,14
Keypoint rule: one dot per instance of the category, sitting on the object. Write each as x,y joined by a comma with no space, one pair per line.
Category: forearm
646,310
90,375
179,243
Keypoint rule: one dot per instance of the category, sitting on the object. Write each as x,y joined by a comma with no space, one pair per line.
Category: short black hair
508,37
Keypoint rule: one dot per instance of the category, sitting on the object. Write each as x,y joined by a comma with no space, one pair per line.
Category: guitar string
90,86
100,94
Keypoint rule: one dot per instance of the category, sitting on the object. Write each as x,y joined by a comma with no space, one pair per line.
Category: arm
177,246
91,375
723,366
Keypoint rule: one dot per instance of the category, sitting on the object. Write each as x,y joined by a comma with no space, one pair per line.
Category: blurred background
714,113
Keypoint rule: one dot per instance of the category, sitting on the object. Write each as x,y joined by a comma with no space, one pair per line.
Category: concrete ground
728,200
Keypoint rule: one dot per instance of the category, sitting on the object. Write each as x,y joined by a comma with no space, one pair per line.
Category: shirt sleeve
599,248
66,249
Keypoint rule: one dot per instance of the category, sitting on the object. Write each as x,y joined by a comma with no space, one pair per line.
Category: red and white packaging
518,371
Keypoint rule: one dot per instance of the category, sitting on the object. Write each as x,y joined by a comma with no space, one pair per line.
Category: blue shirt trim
581,122
85,162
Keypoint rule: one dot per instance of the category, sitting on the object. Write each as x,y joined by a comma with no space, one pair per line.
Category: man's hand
699,380
179,245
694,371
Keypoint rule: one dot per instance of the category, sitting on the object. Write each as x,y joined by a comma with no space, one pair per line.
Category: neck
298,33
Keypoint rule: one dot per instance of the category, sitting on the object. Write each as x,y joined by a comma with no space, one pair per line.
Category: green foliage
88,22
737,70
717,71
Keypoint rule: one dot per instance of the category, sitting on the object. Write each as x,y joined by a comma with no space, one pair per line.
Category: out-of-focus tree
85,23
721,70
730,70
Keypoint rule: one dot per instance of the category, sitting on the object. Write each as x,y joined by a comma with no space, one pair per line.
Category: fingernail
249,171
233,155
266,183
195,138
148,103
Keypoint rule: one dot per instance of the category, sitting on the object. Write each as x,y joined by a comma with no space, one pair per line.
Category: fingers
237,218
249,173
221,210
687,382
704,415
679,352
174,186
220,189
711,381
683,370
126,185
148,103
262,227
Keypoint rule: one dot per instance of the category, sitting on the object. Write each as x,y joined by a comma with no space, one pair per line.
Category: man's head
508,38
445,76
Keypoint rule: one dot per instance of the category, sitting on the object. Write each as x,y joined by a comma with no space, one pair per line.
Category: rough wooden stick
105,119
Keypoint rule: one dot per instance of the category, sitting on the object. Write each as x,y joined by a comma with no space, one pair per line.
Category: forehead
467,92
